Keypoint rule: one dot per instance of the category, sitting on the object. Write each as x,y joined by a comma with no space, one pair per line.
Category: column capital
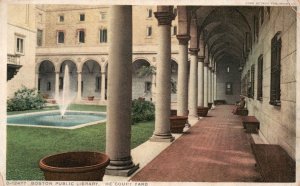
193,51
183,39
164,18
201,59
79,72
103,72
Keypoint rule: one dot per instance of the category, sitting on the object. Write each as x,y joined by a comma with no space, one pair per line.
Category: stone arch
46,78
141,82
91,78
63,60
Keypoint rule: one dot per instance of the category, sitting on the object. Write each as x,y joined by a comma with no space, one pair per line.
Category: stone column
193,96
3,83
79,79
102,96
208,85
56,85
164,15
153,87
118,128
201,56
212,86
201,81
215,85
37,80
182,90
205,84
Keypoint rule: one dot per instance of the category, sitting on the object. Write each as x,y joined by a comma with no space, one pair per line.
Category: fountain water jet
67,96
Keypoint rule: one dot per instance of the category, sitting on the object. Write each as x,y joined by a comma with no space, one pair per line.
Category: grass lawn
27,145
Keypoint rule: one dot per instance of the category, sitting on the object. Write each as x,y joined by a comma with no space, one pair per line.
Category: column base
162,138
121,168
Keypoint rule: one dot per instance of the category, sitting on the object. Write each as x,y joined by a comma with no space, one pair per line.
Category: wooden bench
274,164
251,124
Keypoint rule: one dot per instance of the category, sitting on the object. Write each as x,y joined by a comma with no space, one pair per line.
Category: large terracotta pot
173,112
202,111
177,123
90,98
74,166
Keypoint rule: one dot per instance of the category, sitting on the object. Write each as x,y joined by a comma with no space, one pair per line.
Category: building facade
78,36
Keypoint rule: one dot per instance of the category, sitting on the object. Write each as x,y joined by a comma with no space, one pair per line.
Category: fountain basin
74,166
53,119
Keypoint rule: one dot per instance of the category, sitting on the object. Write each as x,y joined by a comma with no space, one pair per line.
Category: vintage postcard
142,93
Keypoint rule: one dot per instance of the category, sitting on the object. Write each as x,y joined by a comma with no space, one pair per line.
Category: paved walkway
216,149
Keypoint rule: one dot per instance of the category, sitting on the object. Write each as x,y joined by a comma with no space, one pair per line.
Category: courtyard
205,94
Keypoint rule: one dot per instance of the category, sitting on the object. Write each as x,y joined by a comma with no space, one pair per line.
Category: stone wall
223,77
277,123
22,25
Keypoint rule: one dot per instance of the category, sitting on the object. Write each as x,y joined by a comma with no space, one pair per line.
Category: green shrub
25,99
142,111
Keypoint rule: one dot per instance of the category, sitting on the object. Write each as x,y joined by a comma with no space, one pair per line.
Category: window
39,39
103,16
60,36
262,15
82,17
252,82
174,31
149,13
228,90
103,35
260,78
149,31
147,86
97,84
61,18
275,70
81,36
20,45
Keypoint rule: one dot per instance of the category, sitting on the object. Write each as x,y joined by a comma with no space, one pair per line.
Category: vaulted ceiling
224,30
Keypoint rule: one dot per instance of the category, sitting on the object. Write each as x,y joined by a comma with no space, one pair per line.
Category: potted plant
74,166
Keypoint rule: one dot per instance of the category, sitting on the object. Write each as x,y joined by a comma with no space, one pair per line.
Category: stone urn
74,166
178,123
202,111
